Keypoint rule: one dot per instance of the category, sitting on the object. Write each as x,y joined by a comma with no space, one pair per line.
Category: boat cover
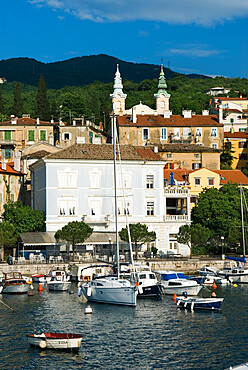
241,259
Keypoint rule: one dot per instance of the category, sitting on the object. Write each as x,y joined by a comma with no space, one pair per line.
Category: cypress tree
42,103
1,103
18,103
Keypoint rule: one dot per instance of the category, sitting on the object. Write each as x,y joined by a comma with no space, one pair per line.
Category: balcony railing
175,217
96,219
176,191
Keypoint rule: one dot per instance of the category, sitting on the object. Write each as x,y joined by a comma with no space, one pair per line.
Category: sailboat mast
242,218
116,209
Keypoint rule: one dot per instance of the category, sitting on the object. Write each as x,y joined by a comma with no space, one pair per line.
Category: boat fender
192,306
89,291
42,344
79,291
178,302
140,289
185,304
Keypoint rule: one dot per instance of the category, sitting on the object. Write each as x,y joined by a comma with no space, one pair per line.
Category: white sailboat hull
120,296
236,277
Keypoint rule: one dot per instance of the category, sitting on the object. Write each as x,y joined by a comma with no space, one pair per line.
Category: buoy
42,344
40,288
235,285
174,298
214,286
30,293
213,295
88,310
71,291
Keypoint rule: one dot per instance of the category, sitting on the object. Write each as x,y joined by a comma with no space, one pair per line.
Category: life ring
42,344
86,278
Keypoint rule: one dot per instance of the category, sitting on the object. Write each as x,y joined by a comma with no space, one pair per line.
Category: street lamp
222,246
110,248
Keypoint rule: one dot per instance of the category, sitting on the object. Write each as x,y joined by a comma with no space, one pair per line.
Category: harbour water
154,335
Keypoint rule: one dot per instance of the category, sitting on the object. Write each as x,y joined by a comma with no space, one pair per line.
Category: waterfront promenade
188,266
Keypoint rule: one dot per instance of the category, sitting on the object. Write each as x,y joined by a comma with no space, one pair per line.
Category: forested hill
78,71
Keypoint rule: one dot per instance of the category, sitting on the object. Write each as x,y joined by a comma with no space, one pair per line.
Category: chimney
17,161
13,119
134,116
100,125
220,115
50,139
186,113
52,120
241,96
37,121
205,112
155,149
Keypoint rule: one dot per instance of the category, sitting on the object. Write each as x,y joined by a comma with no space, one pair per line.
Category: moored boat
176,283
58,341
14,283
195,303
60,281
148,285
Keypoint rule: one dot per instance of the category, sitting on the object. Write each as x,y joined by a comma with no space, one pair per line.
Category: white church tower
118,97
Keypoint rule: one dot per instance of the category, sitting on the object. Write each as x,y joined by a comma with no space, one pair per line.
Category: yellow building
238,143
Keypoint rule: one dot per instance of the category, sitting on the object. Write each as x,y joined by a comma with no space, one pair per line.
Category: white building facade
77,184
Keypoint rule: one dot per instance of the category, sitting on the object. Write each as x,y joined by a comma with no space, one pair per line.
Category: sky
189,36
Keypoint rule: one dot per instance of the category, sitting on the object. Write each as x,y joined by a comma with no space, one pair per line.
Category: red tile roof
174,120
235,135
232,176
27,122
225,98
10,170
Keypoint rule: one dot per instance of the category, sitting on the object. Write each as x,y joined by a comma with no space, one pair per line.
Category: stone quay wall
189,266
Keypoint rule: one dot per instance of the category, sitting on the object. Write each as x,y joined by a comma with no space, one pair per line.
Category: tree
74,232
194,236
139,234
8,235
1,103
18,104
226,157
42,103
23,218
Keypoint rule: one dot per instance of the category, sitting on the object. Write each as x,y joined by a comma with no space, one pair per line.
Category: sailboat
235,268
111,289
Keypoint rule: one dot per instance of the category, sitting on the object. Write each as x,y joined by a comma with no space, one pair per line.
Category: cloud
61,18
194,50
202,12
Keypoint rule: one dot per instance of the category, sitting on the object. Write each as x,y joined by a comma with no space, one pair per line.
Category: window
243,157
214,132
7,135
242,144
145,134
95,180
210,181
214,146
66,136
193,199
242,130
198,132
91,136
163,133
30,135
197,181
95,207
124,180
168,155
42,135
196,166
149,181
176,133
124,207
67,207
150,208
196,155
67,179
231,120
185,132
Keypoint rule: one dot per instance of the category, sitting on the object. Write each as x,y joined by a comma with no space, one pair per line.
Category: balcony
96,220
173,218
176,191
180,139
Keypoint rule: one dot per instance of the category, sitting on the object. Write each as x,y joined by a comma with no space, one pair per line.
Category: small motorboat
148,285
40,278
176,282
60,281
195,303
14,283
61,341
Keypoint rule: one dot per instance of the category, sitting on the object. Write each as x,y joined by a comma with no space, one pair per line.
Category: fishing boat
112,289
195,303
60,281
235,268
58,341
148,284
14,283
176,282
